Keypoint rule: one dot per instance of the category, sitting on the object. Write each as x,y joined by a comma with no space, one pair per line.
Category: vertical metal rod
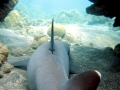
52,36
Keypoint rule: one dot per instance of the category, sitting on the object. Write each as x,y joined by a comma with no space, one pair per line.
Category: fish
48,69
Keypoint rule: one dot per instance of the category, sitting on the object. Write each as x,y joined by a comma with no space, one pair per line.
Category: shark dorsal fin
52,36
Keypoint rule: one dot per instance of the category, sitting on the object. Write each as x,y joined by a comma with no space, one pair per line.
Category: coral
59,30
3,53
57,38
69,37
13,19
3,49
16,52
29,50
38,40
42,40
6,68
34,44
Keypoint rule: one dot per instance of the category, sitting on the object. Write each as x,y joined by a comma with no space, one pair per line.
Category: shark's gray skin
48,69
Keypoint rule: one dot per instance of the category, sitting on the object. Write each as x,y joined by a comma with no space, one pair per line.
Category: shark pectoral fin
88,80
20,63
74,69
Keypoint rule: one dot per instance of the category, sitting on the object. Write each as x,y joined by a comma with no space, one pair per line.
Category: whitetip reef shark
48,69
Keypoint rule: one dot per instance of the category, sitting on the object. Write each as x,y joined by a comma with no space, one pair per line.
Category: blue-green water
49,6
43,8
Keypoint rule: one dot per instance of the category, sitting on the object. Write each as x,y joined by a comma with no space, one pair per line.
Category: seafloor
91,49
92,41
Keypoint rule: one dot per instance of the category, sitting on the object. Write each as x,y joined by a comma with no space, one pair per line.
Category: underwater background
92,38
32,18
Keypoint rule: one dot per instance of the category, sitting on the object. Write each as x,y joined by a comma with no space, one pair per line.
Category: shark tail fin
52,36
88,80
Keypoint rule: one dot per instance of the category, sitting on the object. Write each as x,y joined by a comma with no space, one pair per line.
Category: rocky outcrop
107,8
59,30
3,53
14,19
15,80
5,7
117,50
5,67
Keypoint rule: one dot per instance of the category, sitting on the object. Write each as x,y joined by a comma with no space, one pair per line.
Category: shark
48,68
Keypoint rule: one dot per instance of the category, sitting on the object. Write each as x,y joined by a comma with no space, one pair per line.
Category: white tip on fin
88,80
98,73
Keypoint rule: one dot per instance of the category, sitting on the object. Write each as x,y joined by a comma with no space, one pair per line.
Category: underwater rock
2,2
19,52
108,49
59,30
5,7
16,52
2,59
42,40
3,53
117,50
57,38
38,40
106,8
34,44
14,20
17,26
28,51
1,75
6,68
3,49
15,80
10,77
69,37
34,31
